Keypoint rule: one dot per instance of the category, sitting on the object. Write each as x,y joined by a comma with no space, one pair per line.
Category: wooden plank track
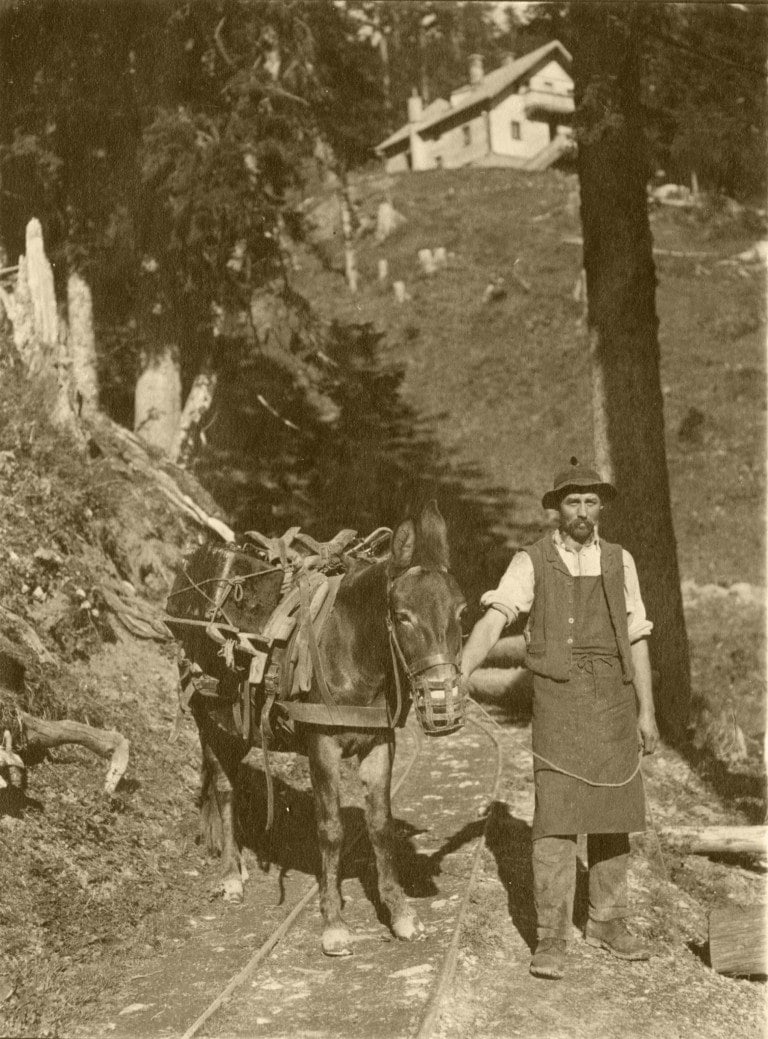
387,987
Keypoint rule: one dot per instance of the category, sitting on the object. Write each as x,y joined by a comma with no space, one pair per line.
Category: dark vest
550,629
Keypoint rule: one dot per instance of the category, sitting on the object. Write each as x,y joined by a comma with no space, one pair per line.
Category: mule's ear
403,544
433,538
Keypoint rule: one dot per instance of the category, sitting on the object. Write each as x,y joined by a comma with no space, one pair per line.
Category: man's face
579,513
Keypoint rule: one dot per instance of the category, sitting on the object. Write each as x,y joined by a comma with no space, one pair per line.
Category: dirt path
378,991
443,788
675,995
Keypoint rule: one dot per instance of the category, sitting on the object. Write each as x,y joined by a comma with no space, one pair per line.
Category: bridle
439,707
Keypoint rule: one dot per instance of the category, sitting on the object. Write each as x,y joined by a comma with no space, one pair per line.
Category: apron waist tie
586,662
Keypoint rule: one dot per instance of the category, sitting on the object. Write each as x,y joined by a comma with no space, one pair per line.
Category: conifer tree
623,327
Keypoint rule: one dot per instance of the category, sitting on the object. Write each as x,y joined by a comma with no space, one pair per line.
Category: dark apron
587,726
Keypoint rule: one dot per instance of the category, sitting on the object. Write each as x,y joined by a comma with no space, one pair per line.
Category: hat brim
552,499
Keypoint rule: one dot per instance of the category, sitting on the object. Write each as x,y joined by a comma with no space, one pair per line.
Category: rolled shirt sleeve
514,594
637,623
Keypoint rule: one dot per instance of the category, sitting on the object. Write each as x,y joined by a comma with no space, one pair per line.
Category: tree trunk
38,334
197,406
82,345
623,328
20,312
350,257
386,80
157,401
45,318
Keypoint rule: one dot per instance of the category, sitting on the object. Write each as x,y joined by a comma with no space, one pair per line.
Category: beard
580,530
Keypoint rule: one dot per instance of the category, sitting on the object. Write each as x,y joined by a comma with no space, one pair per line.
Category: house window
515,128
466,133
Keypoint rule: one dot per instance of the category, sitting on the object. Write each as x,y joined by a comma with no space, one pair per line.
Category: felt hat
577,477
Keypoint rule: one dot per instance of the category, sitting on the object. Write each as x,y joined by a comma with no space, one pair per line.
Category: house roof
493,84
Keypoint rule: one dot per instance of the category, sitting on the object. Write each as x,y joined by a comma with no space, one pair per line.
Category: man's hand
647,731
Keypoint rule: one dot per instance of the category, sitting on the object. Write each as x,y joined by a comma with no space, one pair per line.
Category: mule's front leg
324,765
376,775
223,790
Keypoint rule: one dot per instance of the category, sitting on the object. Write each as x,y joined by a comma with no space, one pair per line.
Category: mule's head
425,607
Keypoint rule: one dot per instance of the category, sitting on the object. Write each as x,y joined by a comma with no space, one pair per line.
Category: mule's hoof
232,889
336,941
408,928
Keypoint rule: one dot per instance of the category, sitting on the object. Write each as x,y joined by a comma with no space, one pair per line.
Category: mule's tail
211,827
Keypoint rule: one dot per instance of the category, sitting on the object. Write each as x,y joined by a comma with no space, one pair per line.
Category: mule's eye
403,618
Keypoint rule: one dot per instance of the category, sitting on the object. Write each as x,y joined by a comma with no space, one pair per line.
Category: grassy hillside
506,383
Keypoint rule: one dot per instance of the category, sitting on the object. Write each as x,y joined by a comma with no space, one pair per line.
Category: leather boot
549,959
613,936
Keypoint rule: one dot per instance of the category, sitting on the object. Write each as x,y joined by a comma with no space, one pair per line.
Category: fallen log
737,940
508,652
106,743
719,840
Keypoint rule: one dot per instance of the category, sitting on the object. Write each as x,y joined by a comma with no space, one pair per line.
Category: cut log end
737,940
118,765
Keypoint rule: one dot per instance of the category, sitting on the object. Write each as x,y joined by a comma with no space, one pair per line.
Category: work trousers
554,880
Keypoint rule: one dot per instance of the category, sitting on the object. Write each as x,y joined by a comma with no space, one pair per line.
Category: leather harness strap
314,653
314,610
355,717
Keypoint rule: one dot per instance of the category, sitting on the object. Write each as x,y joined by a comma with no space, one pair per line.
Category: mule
402,612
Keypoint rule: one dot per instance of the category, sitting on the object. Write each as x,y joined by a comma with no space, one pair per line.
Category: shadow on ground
293,847
509,841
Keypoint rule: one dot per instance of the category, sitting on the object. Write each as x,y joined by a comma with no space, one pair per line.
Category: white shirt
514,594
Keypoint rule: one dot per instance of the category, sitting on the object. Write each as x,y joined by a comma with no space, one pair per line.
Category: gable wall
552,77
534,133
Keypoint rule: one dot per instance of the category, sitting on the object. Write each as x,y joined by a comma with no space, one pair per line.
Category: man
592,700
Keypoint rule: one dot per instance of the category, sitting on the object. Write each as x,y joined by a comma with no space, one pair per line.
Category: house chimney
475,70
414,107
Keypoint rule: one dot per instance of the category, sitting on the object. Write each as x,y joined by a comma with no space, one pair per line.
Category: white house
519,115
